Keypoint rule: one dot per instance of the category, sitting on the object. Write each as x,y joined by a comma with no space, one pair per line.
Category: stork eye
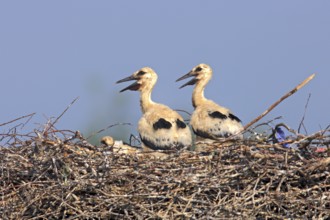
141,73
198,69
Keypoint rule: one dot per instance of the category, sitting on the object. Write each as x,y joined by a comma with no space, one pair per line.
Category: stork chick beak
189,83
134,86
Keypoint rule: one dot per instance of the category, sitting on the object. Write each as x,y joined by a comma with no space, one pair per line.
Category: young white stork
209,120
160,127
119,146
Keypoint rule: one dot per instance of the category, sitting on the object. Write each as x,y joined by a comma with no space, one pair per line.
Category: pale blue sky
54,51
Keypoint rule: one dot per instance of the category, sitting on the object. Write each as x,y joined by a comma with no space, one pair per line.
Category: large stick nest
50,175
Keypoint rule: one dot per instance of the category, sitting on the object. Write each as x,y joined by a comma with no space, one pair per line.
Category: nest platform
51,176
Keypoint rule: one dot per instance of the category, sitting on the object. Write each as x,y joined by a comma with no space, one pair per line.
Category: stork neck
198,94
145,100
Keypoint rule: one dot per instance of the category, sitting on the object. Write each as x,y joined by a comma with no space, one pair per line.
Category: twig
267,122
324,162
103,129
56,120
25,116
303,118
280,100
179,110
134,139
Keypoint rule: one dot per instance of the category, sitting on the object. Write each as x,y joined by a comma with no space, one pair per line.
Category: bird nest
58,174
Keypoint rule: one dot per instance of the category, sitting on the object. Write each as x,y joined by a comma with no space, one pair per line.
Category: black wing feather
162,124
180,124
217,114
233,117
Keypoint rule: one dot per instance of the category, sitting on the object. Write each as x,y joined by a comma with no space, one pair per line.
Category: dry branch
25,116
58,118
280,100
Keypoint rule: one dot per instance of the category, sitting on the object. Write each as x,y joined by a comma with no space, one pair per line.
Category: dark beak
130,78
189,83
134,86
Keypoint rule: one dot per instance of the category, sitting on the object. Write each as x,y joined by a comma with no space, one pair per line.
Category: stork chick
119,146
209,120
160,127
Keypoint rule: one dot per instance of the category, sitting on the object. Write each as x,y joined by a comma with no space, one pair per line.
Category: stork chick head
201,72
145,79
108,140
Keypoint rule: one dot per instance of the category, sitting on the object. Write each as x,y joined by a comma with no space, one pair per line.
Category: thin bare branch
103,129
58,118
25,116
280,100
303,118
